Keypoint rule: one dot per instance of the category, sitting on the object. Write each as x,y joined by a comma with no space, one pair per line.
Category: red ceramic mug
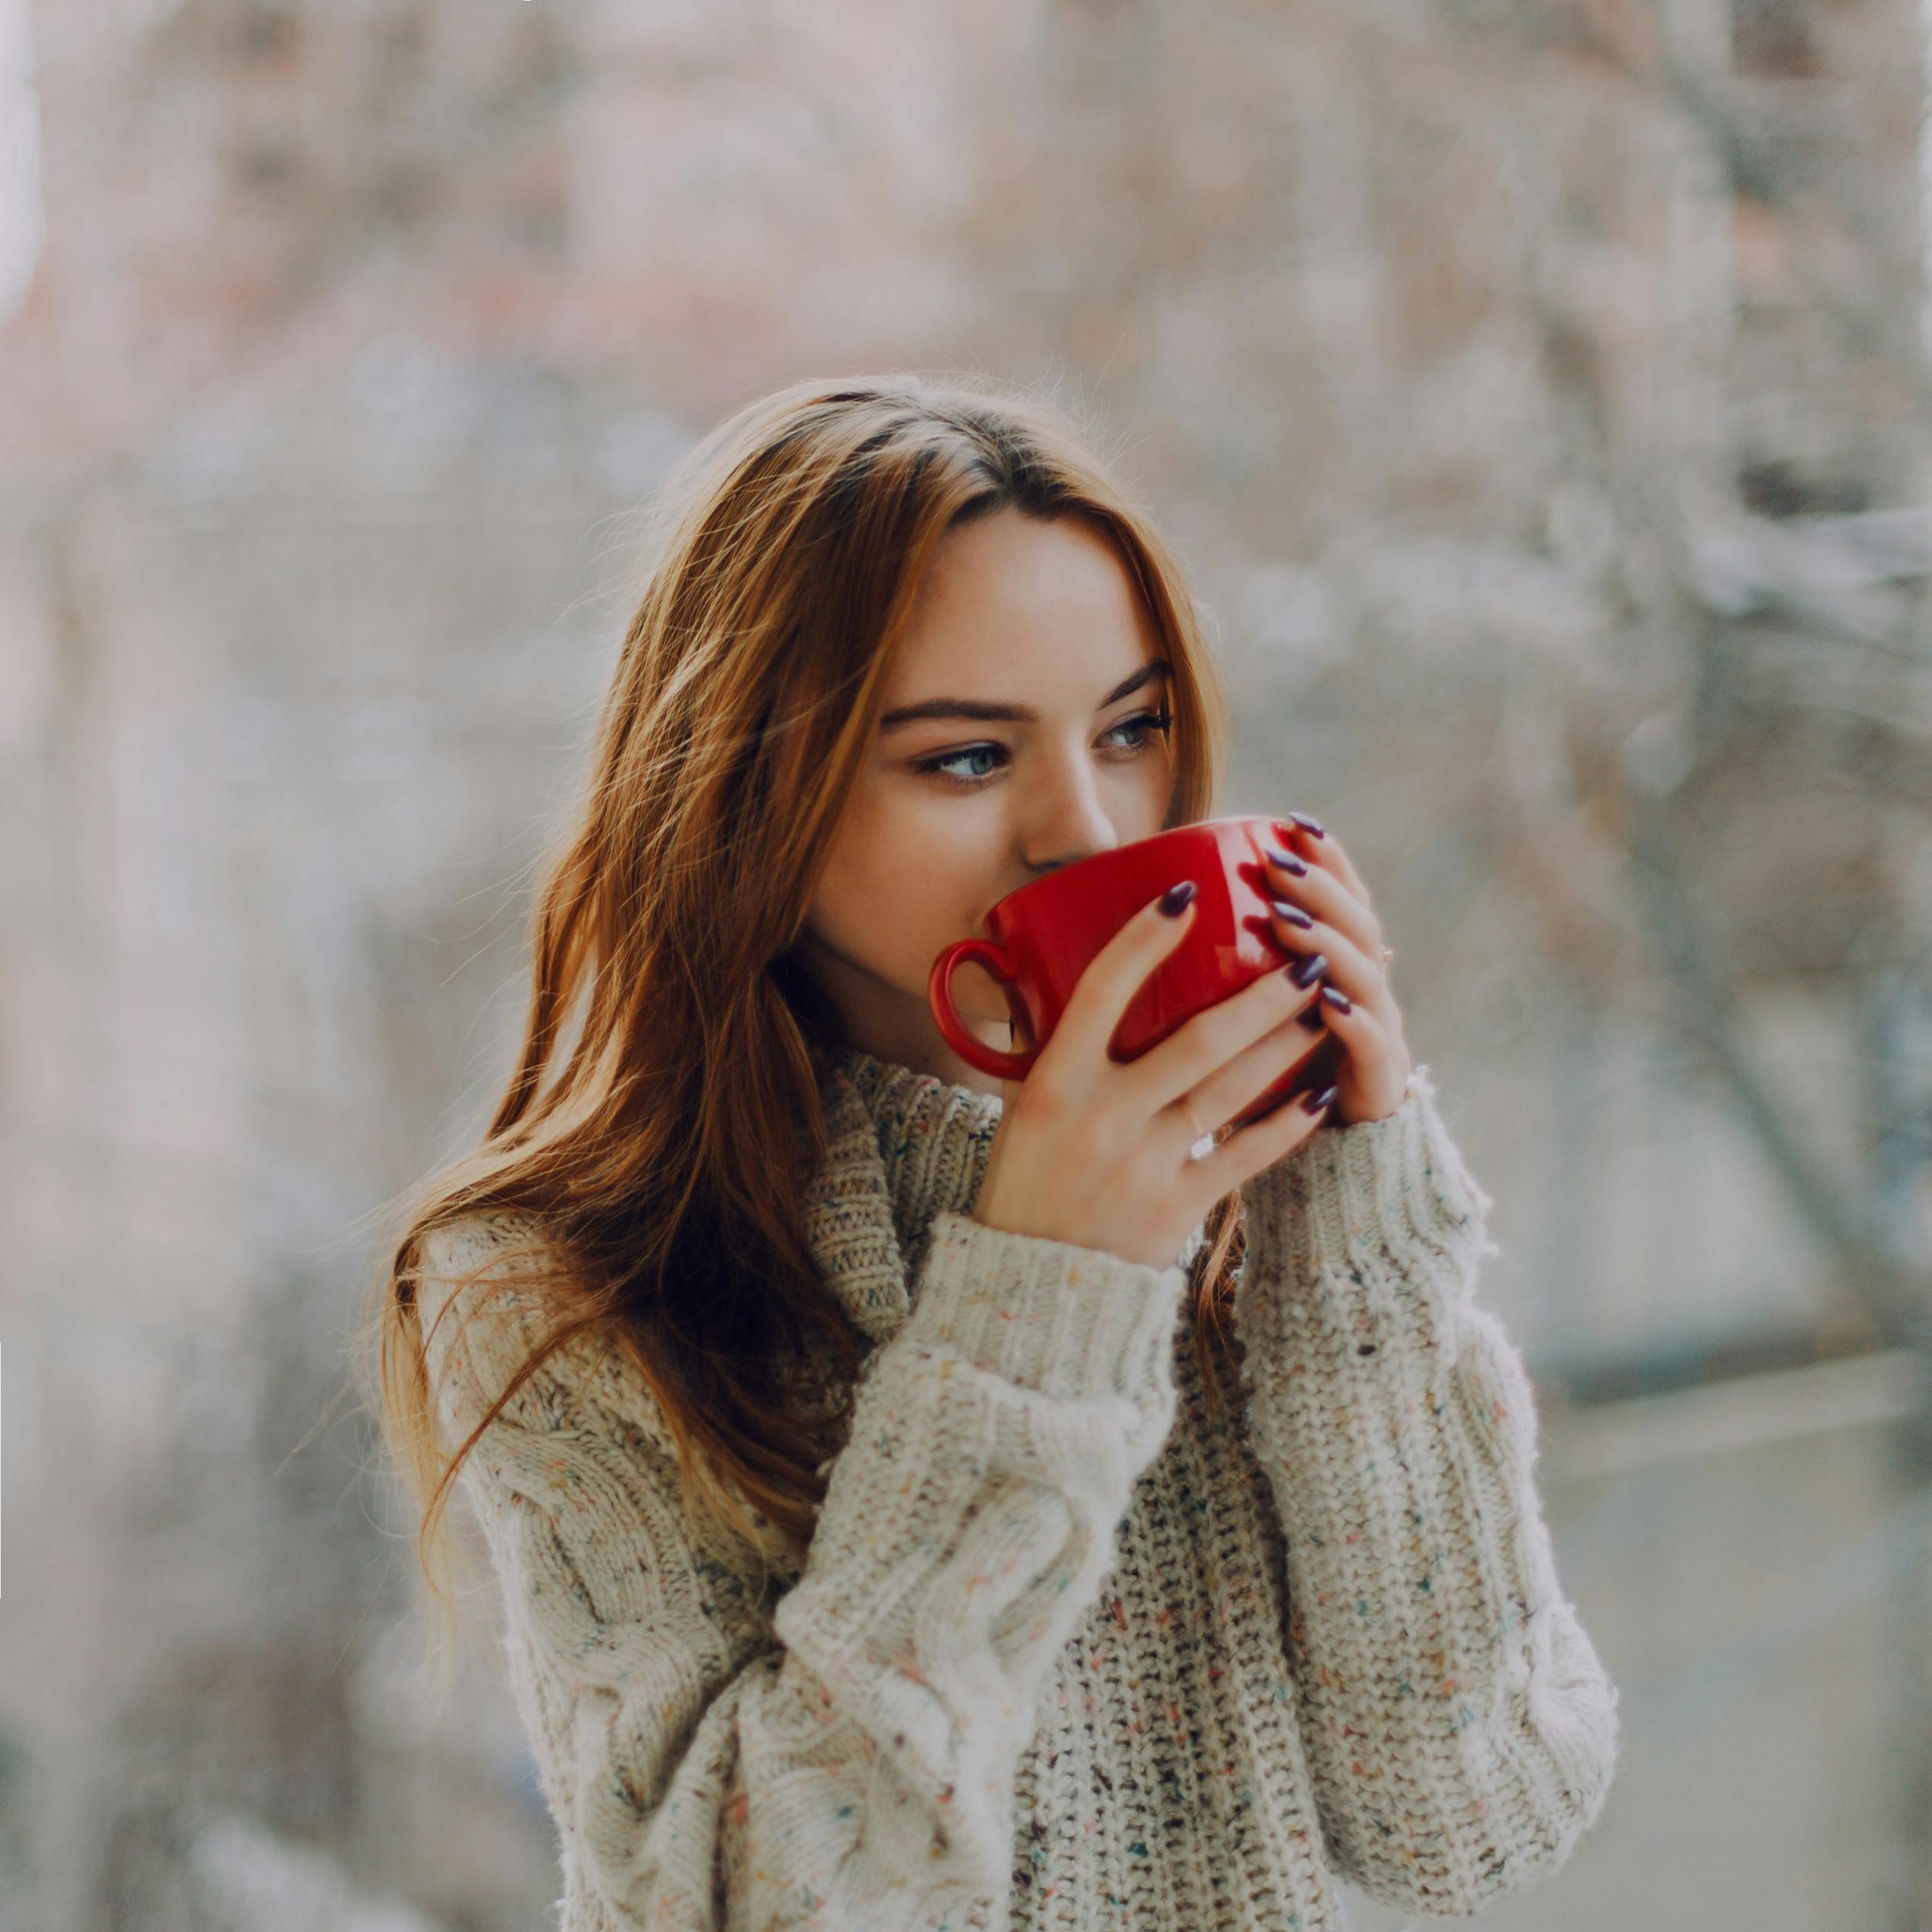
1040,939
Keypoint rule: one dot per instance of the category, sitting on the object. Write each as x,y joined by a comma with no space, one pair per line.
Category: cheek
900,882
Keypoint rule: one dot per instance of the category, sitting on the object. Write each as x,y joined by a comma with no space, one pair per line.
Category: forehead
1010,597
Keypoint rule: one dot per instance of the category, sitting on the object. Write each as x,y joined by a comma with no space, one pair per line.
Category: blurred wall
1539,394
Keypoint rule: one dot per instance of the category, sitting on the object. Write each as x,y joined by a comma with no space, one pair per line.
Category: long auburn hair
662,1161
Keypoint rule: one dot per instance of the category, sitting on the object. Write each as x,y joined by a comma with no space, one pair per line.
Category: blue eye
1144,722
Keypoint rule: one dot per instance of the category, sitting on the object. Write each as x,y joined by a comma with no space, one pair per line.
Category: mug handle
967,1044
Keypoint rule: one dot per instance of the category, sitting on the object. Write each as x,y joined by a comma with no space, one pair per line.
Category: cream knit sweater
1067,1651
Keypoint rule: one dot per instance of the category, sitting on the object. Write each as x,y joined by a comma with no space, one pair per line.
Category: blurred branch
1571,874
1842,1208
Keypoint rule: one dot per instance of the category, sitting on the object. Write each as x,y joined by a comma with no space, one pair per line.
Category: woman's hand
1097,1151
1328,912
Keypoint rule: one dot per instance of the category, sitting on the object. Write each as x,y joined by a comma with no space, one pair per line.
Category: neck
926,1054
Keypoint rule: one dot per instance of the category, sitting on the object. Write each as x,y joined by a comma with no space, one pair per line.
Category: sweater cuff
1066,1320
1376,1197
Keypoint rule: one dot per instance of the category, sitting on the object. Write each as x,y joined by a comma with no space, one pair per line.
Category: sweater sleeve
1461,1730
846,1760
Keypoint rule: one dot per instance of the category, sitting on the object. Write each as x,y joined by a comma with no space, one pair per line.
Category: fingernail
1337,999
1305,972
1287,860
1308,824
1176,897
1293,914
1315,1103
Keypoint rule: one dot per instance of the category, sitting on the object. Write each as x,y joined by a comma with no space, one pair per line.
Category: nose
1068,821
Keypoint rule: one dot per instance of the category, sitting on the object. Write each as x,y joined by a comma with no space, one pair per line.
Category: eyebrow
979,710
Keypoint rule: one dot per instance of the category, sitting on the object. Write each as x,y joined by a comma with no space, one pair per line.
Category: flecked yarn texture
1070,1649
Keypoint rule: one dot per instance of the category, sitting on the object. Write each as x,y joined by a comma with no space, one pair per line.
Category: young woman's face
1035,629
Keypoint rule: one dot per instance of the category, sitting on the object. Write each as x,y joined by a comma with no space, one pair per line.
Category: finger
1358,974
1261,1143
1277,1055
1111,978
1324,897
1363,1031
1202,1046
1316,844
1368,1043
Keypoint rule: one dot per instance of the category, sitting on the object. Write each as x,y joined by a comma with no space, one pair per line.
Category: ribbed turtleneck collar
933,1141
900,1147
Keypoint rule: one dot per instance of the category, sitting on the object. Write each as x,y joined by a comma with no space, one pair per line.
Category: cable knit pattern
1040,1669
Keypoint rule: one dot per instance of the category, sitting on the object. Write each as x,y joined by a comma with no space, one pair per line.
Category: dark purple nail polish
1287,862
1305,972
1293,914
1176,897
1308,824
1315,1103
1338,999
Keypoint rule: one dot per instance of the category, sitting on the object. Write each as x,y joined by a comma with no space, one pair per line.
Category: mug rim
1167,831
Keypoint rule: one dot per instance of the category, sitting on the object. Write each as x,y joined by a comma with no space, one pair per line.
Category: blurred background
1538,391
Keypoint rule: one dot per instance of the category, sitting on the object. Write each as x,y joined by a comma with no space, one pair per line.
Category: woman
875,1550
